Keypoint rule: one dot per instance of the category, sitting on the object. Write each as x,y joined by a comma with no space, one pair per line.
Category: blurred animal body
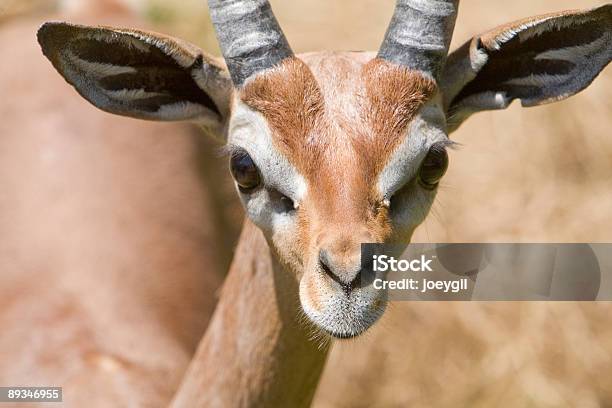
108,263
327,150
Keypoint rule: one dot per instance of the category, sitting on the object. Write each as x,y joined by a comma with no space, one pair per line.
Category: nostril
348,285
324,262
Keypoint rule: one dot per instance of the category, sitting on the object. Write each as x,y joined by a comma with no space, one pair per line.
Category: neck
255,351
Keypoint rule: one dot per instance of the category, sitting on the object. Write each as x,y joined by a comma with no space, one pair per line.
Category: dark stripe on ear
538,60
118,53
516,59
156,71
512,67
169,81
139,74
553,39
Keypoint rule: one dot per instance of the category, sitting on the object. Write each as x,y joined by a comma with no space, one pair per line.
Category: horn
249,35
419,34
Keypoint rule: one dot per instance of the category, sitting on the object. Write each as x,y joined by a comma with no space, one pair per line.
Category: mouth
342,336
339,314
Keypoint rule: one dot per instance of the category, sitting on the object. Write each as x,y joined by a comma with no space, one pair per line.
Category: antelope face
331,150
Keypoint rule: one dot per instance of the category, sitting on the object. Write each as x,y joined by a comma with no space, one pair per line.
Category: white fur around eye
426,129
248,130
411,203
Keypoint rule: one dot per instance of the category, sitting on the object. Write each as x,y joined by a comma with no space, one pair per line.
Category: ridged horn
419,34
249,35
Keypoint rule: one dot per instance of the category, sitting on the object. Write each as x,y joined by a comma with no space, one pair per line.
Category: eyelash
445,144
229,149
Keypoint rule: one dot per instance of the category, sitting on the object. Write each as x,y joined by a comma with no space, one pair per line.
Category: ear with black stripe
140,74
537,60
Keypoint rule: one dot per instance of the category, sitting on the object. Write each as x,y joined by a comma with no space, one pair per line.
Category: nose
346,271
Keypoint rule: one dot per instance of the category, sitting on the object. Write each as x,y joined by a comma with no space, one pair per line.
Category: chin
342,316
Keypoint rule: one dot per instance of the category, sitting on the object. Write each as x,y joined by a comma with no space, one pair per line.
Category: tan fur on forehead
342,104
395,94
290,100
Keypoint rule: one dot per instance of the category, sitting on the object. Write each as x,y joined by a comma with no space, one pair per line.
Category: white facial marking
249,130
426,129
411,206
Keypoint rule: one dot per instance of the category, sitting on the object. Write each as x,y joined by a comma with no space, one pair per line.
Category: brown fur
394,96
338,114
256,352
255,335
108,265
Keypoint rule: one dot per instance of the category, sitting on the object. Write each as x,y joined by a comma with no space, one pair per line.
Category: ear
538,60
139,74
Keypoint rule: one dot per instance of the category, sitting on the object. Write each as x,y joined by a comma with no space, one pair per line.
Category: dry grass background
522,175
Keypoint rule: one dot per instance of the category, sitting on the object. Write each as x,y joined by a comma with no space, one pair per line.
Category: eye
244,171
434,166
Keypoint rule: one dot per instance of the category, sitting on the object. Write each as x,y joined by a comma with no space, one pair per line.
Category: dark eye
244,171
434,166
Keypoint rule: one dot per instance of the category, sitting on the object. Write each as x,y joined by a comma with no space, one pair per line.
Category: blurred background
521,175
